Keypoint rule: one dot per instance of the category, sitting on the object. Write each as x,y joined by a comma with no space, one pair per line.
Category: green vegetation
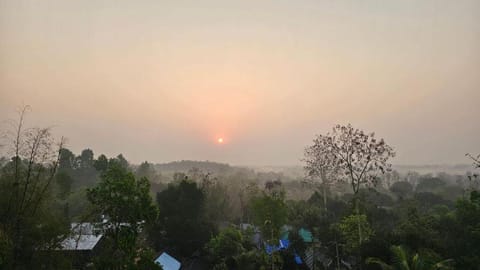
350,210
128,205
405,261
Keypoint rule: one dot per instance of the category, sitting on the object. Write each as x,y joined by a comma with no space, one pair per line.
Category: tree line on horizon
361,214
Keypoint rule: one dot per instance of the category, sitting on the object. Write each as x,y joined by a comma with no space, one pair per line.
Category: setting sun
221,115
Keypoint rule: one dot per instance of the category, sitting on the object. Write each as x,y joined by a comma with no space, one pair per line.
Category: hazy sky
162,80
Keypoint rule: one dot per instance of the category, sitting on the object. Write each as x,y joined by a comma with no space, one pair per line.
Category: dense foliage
349,211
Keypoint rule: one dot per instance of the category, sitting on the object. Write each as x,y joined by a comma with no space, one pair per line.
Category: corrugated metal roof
168,262
81,242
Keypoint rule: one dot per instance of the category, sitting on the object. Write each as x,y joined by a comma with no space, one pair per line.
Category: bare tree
361,157
321,166
25,182
475,159
353,155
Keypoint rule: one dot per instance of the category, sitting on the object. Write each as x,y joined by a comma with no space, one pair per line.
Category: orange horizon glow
244,82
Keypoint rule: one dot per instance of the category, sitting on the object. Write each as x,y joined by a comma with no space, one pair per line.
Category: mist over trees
347,209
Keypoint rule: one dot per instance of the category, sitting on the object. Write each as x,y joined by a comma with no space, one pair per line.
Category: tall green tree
461,232
127,204
101,163
64,176
85,160
84,172
348,229
217,203
224,248
182,227
66,160
270,214
122,161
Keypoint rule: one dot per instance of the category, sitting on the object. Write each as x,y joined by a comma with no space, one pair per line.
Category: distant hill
294,172
297,171
289,171
460,169
186,165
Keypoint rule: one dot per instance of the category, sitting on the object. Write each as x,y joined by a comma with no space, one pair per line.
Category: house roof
168,262
306,235
81,242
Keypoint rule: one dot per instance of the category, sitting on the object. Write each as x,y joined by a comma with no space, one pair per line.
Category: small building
86,242
82,245
168,262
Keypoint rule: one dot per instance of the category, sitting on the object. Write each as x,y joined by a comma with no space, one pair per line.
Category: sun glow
220,140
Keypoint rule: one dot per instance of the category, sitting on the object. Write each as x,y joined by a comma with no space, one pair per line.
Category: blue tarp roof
298,260
284,243
168,262
270,249
305,234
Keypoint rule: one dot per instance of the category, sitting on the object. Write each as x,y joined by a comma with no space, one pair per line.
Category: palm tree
402,260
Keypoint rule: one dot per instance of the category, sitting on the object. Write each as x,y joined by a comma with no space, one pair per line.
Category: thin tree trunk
325,197
357,210
324,187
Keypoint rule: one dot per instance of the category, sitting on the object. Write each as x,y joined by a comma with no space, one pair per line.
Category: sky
163,80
